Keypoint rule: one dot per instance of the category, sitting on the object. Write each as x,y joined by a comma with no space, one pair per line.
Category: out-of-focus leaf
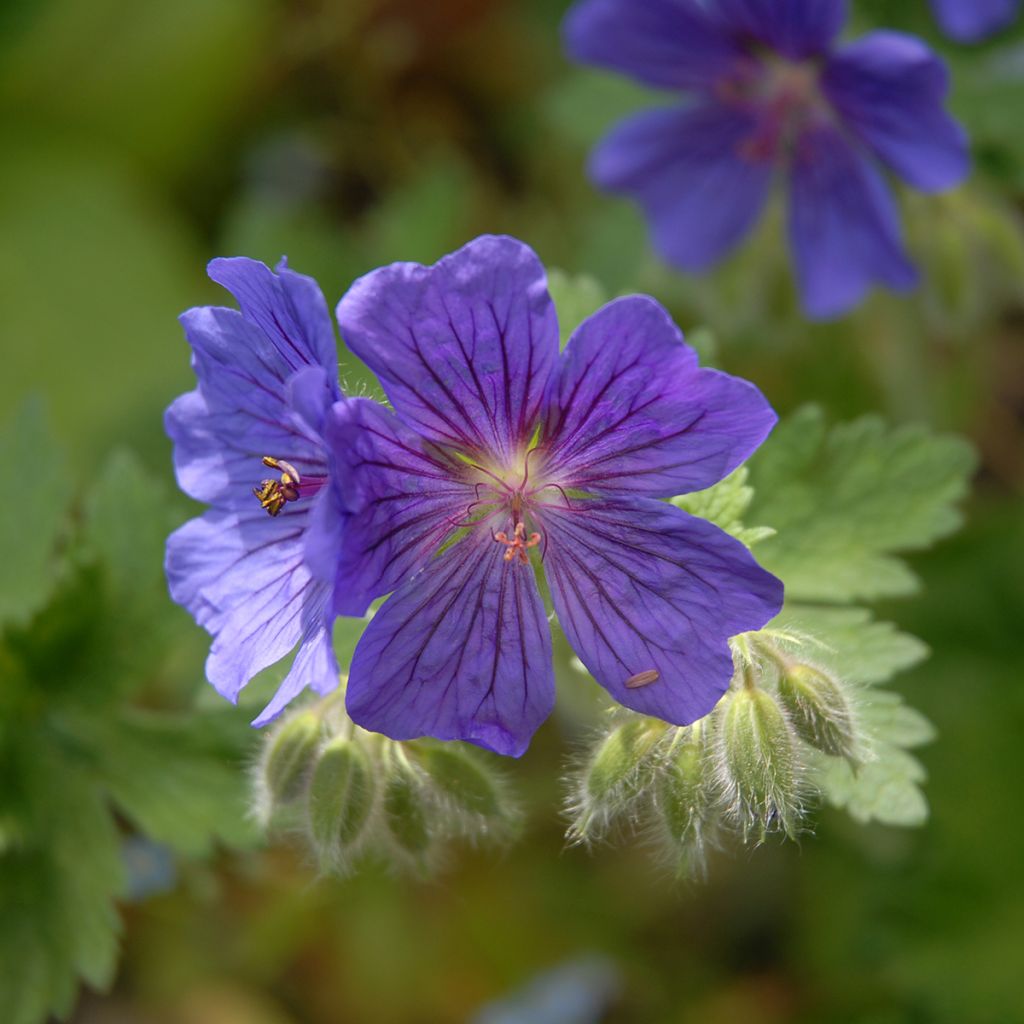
125,525
845,500
31,514
180,779
96,332
851,643
575,298
57,889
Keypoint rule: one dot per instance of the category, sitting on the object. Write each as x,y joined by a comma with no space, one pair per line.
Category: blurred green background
141,138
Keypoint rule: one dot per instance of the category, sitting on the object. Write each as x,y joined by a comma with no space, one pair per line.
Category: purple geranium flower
501,453
769,92
256,569
970,21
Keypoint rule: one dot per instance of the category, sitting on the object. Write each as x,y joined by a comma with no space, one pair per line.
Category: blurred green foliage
141,139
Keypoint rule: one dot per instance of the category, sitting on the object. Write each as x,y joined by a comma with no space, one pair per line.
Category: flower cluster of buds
348,794
744,771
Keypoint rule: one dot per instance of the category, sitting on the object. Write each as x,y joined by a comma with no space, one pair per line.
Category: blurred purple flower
499,447
769,92
247,569
970,21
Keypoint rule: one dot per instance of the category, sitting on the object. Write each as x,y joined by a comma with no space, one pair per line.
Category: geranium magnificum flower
501,456
769,92
256,569
970,21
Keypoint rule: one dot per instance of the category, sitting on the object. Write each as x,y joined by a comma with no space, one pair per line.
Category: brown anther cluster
273,495
518,543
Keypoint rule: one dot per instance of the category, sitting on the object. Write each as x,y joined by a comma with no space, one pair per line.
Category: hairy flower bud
405,810
758,765
465,782
289,756
820,710
340,799
685,800
615,774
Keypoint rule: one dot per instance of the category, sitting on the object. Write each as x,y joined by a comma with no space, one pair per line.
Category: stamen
518,544
273,495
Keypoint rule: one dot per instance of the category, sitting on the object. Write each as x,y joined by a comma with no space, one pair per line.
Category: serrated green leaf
179,779
725,504
125,525
59,922
576,297
850,642
32,517
845,500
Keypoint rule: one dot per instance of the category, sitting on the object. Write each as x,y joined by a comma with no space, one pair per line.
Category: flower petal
686,167
402,501
843,226
461,652
463,348
670,44
796,28
242,408
970,21
243,578
631,411
288,308
640,586
891,89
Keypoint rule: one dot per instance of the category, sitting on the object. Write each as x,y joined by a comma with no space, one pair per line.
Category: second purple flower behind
503,457
768,93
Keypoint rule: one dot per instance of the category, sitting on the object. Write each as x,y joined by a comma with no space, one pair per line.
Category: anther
273,495
518,544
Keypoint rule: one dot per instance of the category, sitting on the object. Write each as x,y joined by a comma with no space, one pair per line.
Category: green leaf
126,520
845,500
576,297
57,889
886,788
180,779
851,643
725,504
32,515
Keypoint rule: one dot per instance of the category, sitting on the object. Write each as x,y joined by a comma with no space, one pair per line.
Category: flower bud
464,781
617,772
684,800
405,812
758,763
820,710
340,798
290,752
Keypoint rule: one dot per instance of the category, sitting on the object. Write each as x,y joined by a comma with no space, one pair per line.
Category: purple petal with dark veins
796,28
462,651
843,226
671,44
402,501
239,412
629,409
695,171
640,586
890,89
243,578
464,348
287,307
